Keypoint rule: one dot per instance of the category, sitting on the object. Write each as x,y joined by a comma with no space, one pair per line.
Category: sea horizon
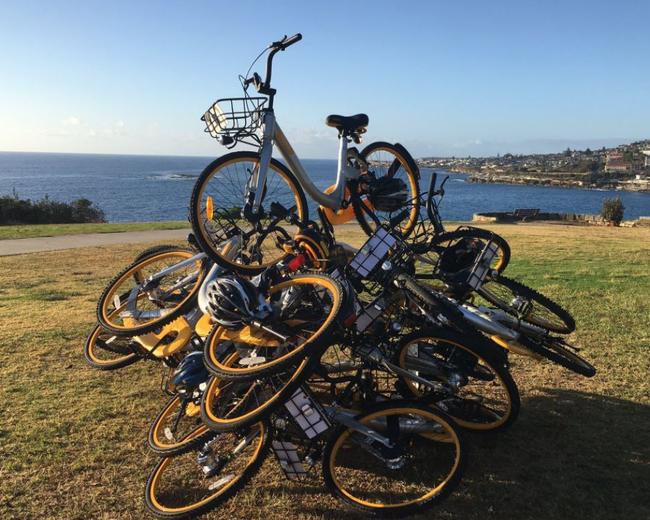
142,187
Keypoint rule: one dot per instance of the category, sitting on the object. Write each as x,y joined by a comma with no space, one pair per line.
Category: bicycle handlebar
286,42
264,87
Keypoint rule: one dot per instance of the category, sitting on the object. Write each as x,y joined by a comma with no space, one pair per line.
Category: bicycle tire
322,337
486,351
203,506
198,228
96,362
227,422
197,436
154,250
413,176
481,234
386,510
109,292
516,289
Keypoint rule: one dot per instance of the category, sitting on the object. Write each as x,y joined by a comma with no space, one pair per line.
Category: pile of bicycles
277,338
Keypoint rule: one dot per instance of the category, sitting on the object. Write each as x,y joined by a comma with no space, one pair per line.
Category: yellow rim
213,391
198,431
210,207
396,411
155,482
184,255
92,343
302,280
460,422
501,261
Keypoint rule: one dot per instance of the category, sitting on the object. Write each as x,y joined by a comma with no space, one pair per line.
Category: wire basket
234,117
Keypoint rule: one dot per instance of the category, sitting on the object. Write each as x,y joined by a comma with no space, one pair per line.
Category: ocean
132,188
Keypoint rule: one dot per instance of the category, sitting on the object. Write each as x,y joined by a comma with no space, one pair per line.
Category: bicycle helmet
387,194
232,301
189,374
460,256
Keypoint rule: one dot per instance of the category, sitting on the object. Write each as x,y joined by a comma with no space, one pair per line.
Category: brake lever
278,43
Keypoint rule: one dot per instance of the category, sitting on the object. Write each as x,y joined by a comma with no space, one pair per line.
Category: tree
613,210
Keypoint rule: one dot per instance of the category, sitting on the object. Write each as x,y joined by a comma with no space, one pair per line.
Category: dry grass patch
72,439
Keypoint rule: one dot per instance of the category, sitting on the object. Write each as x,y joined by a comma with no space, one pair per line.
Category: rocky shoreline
512,217
556,179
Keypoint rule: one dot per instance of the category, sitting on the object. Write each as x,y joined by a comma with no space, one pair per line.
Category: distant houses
615,163
646,153
625,167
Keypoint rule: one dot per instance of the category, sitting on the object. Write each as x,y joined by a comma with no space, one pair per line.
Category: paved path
22,246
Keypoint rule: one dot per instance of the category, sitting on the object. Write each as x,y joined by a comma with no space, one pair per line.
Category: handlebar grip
291,40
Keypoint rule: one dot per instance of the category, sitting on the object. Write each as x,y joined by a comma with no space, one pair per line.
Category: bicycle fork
257,181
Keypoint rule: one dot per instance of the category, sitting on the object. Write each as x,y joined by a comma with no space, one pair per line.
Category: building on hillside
646,164
616,163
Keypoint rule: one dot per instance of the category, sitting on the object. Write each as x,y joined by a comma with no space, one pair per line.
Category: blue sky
443,78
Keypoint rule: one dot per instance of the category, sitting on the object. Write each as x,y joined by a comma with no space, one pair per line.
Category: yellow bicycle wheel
106,351
388,161
419,463
177,428
308,306
228,405
481,394
216,211
140,300
193,483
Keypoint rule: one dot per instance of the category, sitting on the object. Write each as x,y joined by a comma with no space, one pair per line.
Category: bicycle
407,456
442,360
522,324
457,257
228,198
105,350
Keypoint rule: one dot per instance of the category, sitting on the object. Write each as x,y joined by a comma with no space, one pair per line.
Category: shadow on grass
570,455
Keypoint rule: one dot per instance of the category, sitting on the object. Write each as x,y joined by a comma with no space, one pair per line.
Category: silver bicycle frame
273,134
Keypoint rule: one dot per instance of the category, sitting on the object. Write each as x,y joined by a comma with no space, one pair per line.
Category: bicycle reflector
296,263
209,208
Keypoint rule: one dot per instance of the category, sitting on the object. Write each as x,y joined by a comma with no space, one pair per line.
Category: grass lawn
73,440
53,230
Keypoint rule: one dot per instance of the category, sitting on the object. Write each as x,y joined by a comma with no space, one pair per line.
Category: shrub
14,210
613,210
